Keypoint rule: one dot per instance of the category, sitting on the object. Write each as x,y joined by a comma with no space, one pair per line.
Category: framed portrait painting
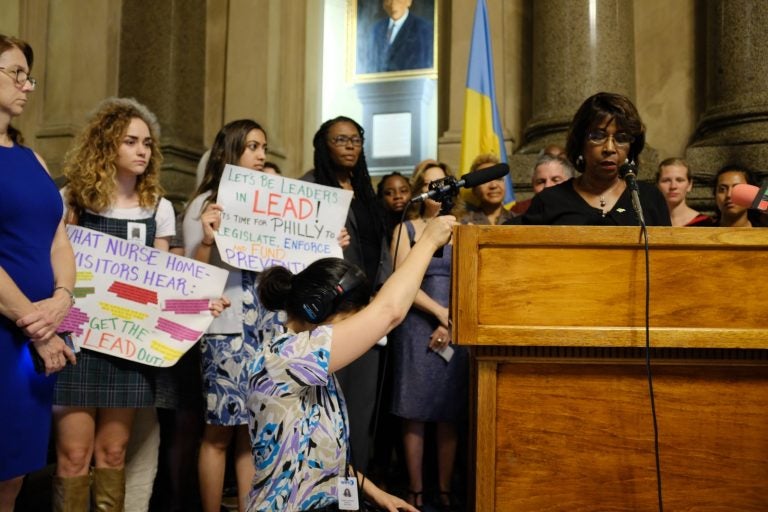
391,39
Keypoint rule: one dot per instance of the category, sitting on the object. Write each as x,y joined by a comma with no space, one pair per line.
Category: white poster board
270,220
137,302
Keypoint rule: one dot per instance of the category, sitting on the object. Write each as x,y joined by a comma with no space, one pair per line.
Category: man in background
400,42
548,171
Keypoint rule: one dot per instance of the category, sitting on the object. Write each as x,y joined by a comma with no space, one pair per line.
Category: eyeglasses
21,77
343,140
599,137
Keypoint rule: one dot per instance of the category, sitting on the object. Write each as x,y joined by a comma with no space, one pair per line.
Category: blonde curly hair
90,164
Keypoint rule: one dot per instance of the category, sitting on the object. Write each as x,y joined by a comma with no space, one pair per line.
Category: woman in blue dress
37,276
430,375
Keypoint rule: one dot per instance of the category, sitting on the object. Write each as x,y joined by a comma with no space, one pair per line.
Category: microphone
750,196
440,189
628,172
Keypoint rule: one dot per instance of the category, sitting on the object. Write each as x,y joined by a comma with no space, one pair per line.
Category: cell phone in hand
38,362
446,353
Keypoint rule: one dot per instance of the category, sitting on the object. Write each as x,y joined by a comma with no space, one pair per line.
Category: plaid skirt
99,380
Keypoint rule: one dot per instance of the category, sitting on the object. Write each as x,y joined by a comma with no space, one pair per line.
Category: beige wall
76,68
9,17
261,61
665,64
264,74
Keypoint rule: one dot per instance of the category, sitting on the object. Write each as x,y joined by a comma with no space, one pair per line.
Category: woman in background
675,181
114,187
489,195
340,162
37,279
430,374
232,340
394,192
729,214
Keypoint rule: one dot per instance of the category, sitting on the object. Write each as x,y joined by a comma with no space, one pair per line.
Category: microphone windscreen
472,179
744,195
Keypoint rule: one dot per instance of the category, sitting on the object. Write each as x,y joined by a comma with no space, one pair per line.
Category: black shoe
417,498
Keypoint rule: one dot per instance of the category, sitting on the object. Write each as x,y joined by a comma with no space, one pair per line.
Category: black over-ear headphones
319,306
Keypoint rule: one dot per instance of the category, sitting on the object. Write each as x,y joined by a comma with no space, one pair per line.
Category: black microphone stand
628,173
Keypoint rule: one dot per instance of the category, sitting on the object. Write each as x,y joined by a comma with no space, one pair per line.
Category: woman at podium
605,133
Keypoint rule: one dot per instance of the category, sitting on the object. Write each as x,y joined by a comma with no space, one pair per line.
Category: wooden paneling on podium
561,414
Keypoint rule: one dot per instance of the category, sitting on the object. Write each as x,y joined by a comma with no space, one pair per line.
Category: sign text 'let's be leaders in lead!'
269,220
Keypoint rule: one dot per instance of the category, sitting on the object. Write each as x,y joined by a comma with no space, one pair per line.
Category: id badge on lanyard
347,489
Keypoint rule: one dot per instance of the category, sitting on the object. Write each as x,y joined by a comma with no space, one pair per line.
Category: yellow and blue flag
482,126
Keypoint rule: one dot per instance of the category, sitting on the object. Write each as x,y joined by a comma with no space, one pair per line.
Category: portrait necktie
390,29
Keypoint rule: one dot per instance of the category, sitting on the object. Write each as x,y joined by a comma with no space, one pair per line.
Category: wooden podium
560,409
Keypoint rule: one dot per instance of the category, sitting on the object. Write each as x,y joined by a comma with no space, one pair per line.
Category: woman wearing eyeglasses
605,132
340,162
37,276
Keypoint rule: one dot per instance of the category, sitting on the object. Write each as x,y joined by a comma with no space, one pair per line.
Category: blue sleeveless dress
425,387
30,212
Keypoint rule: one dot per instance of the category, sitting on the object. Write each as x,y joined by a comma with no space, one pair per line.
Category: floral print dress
299,429
226,357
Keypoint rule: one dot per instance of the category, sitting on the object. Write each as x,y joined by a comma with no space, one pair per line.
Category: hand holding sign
344,238
218,306
211,221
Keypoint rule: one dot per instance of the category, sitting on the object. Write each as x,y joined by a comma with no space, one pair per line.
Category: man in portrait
400,42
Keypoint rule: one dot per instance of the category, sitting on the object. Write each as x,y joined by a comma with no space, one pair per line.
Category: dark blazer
411,49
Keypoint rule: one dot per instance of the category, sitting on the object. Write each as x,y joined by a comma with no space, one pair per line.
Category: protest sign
137,302
269,220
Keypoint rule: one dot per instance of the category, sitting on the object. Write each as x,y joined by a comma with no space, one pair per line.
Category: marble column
580,47
162,64
733,127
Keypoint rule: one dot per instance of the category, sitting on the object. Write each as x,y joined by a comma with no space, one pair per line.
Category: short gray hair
568,169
